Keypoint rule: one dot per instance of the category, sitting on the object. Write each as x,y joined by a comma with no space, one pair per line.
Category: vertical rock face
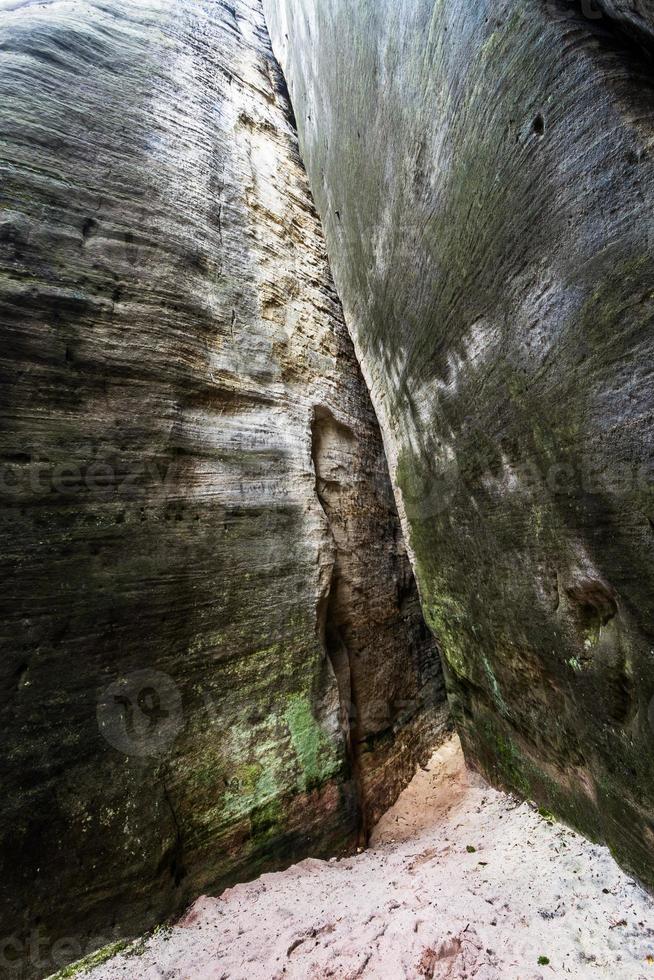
214,659
485,175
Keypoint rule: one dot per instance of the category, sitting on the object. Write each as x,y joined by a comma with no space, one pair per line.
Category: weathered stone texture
193,485
485,176
635,17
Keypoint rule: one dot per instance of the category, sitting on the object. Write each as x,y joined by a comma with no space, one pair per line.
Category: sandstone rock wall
485,176
214,659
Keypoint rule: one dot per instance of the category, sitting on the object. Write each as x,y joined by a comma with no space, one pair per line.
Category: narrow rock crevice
330,444
174,858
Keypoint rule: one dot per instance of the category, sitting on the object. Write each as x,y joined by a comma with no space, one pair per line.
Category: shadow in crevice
331,444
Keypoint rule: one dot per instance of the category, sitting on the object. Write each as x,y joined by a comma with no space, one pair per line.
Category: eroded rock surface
635,17
485,175
202,561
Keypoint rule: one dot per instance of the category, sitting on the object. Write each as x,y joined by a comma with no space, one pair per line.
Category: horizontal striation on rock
484,173
196,506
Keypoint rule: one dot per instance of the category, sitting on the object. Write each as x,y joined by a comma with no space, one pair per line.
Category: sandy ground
460,881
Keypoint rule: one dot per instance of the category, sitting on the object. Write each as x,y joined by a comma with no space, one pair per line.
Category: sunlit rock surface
214,660
485,174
